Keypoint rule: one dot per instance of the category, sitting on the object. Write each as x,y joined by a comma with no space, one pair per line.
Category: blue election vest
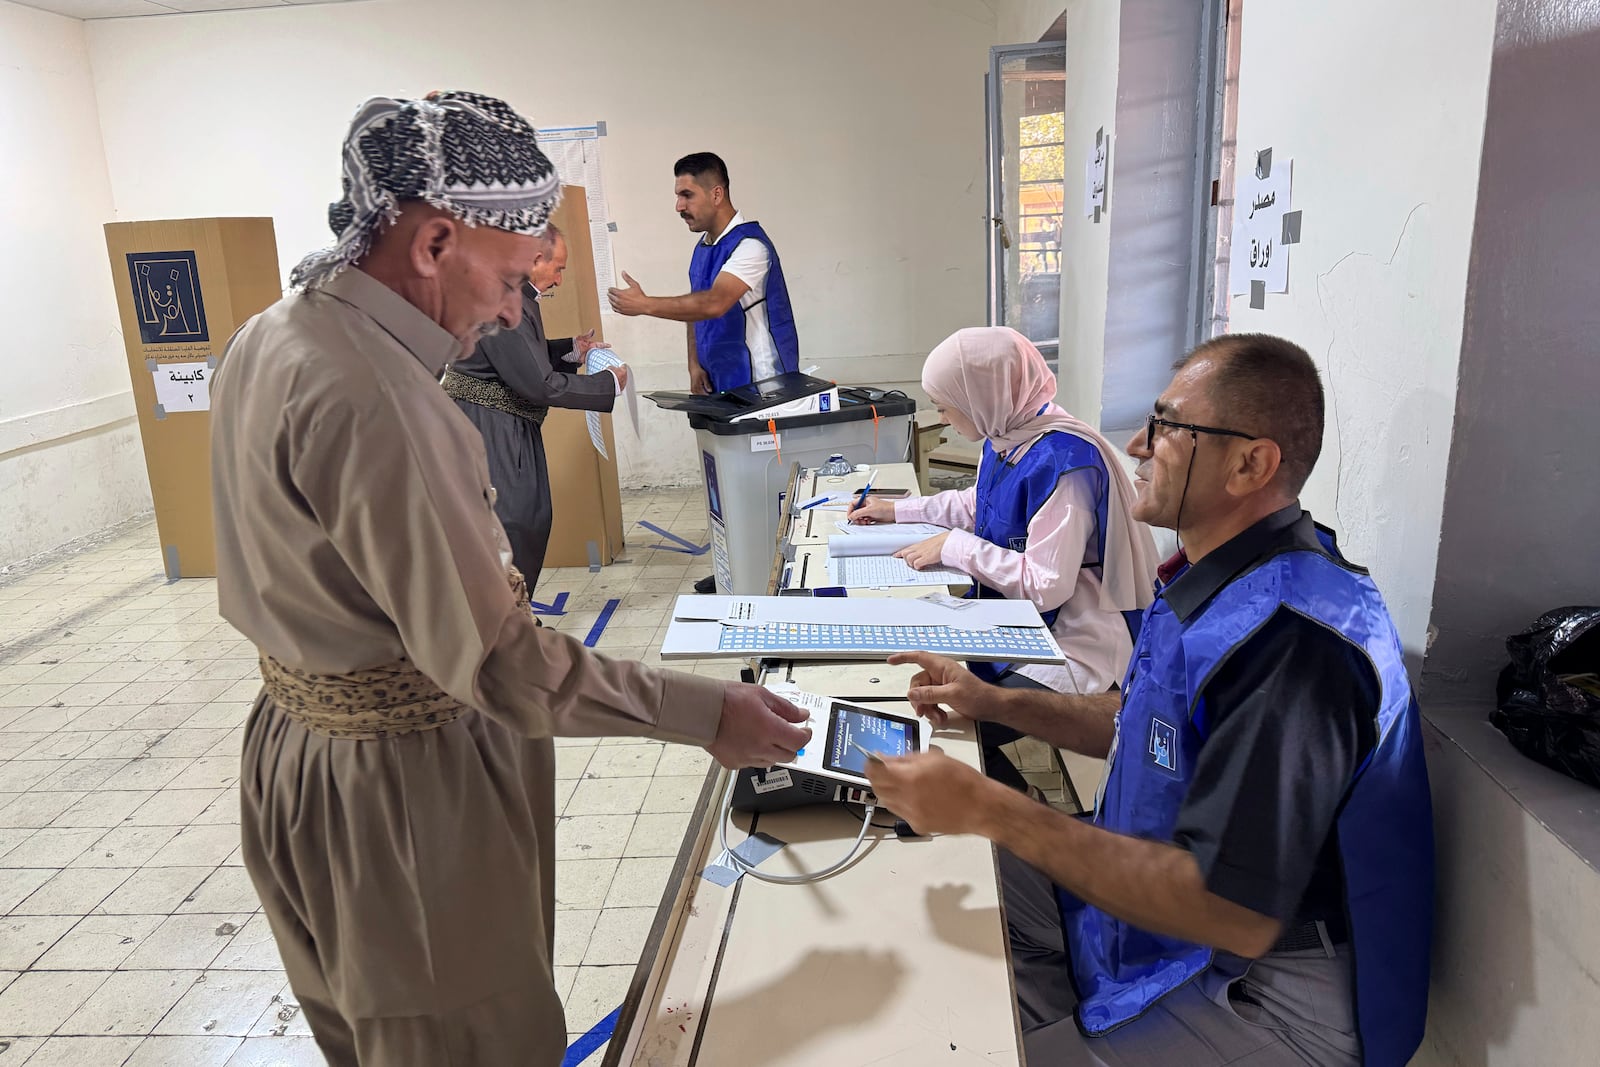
1384,831
1009,495
720,343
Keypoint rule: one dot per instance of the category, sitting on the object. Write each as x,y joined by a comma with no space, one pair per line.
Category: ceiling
118,9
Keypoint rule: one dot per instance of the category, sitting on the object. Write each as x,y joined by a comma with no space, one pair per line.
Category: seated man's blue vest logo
1163,745
166,292
1017,544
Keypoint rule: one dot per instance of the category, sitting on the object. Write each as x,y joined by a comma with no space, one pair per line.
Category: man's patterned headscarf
469,154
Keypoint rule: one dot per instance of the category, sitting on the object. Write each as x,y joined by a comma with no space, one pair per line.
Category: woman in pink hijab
1049,519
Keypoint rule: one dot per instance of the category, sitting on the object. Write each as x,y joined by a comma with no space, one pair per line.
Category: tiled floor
131,934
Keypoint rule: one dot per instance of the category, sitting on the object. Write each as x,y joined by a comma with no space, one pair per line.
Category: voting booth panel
183,287
584,491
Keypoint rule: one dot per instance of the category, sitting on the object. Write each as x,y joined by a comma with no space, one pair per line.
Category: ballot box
750,438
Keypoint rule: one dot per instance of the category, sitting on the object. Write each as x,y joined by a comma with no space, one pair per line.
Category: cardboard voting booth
183,287
584,491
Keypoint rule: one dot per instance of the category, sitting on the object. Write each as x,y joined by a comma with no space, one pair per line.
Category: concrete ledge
1517,921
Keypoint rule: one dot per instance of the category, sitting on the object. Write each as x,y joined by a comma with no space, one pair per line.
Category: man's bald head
551,260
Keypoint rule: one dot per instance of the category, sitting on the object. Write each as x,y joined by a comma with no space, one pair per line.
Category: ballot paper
1002,631
599,361
880,540
887,572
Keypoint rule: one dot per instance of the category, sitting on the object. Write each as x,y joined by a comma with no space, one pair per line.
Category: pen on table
861,502
808,505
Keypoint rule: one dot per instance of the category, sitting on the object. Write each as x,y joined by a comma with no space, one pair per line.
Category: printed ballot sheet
868,628
870,572
600,361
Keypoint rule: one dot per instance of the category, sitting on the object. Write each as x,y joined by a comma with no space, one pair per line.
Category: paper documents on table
868,611
1001,631
879,540
866,572
601,360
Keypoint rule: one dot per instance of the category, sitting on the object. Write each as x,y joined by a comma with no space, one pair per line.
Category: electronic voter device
832,766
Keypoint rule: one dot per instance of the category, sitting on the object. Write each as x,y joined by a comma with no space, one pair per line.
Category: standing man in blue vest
1255,884
741,325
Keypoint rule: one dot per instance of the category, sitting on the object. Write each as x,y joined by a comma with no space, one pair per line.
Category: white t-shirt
750,263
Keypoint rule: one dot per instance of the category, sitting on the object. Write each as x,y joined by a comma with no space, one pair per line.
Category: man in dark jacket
507,387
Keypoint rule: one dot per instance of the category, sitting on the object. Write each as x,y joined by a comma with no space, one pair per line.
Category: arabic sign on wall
1094,176
182,386
1260,202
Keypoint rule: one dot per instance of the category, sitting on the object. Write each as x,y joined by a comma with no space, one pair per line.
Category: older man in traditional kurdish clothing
398,776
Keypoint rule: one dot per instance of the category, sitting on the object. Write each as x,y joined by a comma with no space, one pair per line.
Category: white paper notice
1259,205
182,386
575,153
1094,180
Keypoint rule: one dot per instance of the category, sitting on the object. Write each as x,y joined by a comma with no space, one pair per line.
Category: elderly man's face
550,265
480,282
1176,459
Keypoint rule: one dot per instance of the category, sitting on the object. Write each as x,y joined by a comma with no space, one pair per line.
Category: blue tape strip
598,1035
689,547
558,606
600,624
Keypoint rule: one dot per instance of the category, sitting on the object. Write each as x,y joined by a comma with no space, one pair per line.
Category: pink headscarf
995,377
998,379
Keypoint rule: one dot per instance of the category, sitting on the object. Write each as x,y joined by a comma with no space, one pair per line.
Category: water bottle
836,467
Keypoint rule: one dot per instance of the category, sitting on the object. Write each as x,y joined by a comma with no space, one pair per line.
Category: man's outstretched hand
758,728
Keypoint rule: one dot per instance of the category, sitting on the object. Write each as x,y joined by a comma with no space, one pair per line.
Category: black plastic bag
1549,695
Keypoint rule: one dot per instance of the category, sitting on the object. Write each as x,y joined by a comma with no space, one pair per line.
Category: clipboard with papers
732,627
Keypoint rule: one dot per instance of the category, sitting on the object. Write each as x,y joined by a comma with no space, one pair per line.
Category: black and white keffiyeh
466,153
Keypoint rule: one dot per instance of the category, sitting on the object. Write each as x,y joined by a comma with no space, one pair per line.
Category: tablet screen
875,731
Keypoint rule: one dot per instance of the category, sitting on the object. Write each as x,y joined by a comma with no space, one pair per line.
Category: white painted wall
853,132
1026,21
1381,107
1093,34
70,461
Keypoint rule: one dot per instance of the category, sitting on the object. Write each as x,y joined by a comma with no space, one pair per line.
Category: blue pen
865,489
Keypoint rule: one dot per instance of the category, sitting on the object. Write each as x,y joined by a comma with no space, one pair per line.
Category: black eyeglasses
1152,421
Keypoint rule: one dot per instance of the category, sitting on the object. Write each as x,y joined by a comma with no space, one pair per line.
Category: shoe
708,584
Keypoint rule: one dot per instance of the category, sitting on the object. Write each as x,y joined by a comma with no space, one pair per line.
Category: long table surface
900,959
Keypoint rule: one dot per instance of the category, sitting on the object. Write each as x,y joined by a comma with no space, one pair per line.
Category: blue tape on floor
600,624
558,606
586,1045
689,547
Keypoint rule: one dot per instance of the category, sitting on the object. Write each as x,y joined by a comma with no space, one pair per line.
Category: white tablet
843,733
